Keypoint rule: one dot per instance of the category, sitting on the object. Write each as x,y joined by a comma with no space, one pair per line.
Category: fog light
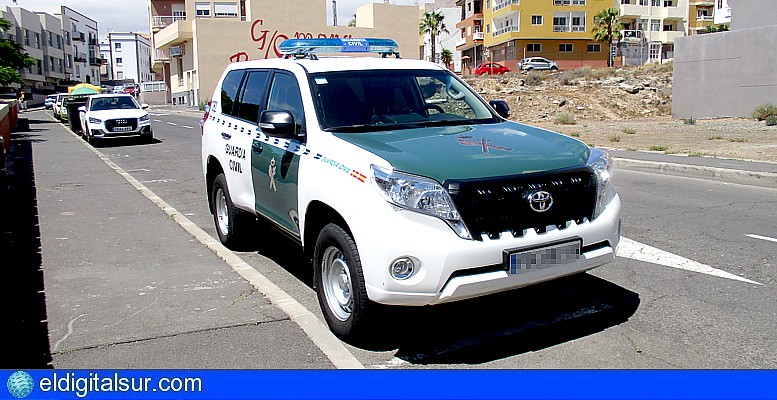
402,268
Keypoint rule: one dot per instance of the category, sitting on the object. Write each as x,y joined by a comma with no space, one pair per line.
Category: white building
723,12
452,16
81,32
130,56
106,69
651,28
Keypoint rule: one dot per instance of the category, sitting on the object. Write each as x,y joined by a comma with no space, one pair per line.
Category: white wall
134,51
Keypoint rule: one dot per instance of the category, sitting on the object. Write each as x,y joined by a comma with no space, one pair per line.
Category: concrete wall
725,73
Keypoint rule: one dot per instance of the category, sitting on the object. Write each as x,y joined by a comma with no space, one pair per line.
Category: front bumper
140,130
454,269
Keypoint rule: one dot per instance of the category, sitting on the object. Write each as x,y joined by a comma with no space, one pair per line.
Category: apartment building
470,42
130,56
106,68
81,34
194,40
559,30
41,36
446,40
701,14
651,27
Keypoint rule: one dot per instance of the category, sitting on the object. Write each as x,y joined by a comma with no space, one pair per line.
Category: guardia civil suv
401,184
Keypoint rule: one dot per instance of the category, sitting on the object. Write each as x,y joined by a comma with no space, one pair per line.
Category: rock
562,103
629,88
556,102
580,108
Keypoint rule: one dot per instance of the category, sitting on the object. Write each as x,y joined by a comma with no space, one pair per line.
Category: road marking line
316,330
172,123
762,237
187,127
641,252
157,120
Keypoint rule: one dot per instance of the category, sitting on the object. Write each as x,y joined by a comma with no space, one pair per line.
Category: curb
763,179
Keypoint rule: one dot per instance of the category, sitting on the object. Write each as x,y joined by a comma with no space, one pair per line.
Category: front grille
494,205
112,123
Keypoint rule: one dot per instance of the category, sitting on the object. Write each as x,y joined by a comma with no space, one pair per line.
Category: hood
113,114
472,151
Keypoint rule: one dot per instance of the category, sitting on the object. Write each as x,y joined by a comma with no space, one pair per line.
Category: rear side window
229,91
253,96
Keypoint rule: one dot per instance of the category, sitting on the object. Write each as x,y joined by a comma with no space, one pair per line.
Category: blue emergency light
302,48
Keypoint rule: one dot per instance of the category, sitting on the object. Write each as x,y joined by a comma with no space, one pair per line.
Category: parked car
539,63
364,182
55,108
113,116
491,69
49,101
129,90
118,89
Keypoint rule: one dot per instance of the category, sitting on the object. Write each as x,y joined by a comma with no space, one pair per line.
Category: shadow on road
22,283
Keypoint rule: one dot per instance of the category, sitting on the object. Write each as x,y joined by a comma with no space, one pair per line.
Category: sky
132,15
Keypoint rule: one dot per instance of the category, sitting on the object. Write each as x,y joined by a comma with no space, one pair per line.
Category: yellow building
700,15
559,30
196,39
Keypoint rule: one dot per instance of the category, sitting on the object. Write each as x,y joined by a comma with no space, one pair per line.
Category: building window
565,48
488,28
117,46
536,19
69,61
202,9
119,61
225,9
533,47
37,40
50,38
578,2
643,2
59,41
594,48
26,37
119,74
655,25
655,3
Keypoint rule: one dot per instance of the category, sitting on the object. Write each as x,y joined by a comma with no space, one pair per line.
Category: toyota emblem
540,201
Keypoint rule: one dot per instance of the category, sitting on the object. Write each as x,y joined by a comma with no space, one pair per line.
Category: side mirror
501,108
82,109
277,123
144,106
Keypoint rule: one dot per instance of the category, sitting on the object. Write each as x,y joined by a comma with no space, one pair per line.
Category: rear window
229,89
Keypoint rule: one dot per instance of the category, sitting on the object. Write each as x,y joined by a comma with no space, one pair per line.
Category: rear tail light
205,118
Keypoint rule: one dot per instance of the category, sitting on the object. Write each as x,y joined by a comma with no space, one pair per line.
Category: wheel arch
213,170
317,216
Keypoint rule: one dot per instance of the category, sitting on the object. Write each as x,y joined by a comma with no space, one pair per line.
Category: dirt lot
625,109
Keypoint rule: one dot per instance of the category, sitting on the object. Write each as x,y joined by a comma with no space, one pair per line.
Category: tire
554,68
229,220
148,137
339,283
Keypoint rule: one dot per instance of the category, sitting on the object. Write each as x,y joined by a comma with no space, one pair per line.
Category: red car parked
491,68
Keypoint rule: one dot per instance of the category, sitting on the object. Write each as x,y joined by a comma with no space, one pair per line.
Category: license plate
518,262
122,128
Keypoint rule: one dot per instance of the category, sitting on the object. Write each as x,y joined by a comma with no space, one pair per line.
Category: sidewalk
124,285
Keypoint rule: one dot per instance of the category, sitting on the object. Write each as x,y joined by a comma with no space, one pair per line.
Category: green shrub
575,134
738,140
614,138
765,111
629,130
771,121
659,148
689,121
534,78
564,118
716,137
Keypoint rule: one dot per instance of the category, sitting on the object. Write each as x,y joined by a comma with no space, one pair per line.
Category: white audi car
114,116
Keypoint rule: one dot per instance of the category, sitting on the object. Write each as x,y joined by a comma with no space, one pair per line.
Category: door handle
257,147
226,136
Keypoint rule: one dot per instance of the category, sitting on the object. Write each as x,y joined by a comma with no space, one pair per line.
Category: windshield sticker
321,81
482,142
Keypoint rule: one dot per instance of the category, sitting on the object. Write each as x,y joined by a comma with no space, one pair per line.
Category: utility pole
334,12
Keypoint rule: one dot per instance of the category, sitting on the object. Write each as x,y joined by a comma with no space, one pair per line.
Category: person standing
22,101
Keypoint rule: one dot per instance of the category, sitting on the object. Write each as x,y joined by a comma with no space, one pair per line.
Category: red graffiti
239,56
268,40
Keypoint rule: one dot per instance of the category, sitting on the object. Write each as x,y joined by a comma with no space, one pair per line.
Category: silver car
539,63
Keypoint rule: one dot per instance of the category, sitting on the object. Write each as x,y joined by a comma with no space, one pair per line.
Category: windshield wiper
372,127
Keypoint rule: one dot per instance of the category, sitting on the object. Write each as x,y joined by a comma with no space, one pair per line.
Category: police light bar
310,47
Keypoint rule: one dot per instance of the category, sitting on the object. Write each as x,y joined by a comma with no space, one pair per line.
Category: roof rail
308,48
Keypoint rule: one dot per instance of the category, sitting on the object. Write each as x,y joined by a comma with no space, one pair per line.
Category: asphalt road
690,289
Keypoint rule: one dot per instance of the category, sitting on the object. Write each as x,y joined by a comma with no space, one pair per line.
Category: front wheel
340,283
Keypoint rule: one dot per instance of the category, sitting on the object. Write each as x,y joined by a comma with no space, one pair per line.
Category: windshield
113,103
395,99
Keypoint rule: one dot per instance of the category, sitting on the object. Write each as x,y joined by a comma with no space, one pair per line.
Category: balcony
633,10
578,28
505,4
477,36
162,21
92,41
560,28
161,55
504,30
177,33
674,12
96,61
667,36
79,36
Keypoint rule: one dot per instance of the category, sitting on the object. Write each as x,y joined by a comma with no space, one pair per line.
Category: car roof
333,64
111,95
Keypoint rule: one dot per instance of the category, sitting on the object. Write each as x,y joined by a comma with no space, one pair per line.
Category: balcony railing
504,4
79,36
560,28
161,21
505,30
161,55
477,36
578,28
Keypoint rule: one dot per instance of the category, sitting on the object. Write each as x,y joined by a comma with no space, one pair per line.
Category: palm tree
607,26
446,56
432,23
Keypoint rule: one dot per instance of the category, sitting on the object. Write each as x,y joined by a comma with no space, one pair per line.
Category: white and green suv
401,183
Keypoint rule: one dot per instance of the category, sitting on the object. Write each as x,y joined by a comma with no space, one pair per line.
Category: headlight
602,166
143,118
422,195
94,121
